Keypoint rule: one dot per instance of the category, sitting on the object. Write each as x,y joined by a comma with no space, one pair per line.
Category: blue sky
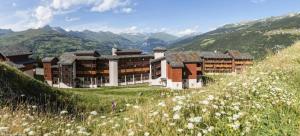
177,17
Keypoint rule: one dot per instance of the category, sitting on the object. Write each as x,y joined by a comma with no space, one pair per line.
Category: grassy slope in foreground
17,88
262,101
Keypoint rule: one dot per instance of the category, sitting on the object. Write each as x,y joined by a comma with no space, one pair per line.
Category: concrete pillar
101,81
125,80
113,72
142,81
91,85
133,79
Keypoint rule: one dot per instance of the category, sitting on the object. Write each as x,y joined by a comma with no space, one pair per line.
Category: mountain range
259,37
53,41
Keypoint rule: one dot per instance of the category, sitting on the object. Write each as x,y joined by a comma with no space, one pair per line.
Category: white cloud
43,15
95,5
106,5
126,10
188,31
104,27
71,19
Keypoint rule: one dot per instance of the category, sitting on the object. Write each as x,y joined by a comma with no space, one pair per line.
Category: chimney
159,52
114,51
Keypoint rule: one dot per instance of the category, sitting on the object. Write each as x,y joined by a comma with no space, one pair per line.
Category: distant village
90,69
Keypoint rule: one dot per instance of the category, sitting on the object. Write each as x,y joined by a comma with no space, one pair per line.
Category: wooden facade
90,69
218,65
18,57
186,69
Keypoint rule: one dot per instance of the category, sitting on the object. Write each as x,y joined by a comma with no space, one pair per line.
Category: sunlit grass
264,100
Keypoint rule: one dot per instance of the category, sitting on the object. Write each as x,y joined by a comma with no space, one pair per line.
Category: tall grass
264,100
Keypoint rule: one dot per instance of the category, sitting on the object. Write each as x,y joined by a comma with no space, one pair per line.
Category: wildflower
177,108
215,106
211,128
47,134
235,117
199,134
34,107
94,113
131,121
154,113
172,124
130,133
190,126
166,115
176,116
127,105
4,129
210,97
26,130
235,125
136,106
162,104
126,119
31,133
146,134
218,114
63,112
103,117
69,132
117,125
195,119
179,130
205,102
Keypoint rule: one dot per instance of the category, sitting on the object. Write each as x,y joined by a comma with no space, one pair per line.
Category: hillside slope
17,88
257,37
265,100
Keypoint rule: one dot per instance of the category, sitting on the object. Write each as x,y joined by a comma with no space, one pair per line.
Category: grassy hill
257,37
17,89
264,100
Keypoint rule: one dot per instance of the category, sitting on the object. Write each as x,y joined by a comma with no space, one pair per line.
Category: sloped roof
177,59
69,57
242,56
48,59
238,55
159,49
133,51
18,66
90,52
214,55
14,50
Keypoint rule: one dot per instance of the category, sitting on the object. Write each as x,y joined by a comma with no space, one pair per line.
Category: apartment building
92,69
179,70
175,70
18,57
